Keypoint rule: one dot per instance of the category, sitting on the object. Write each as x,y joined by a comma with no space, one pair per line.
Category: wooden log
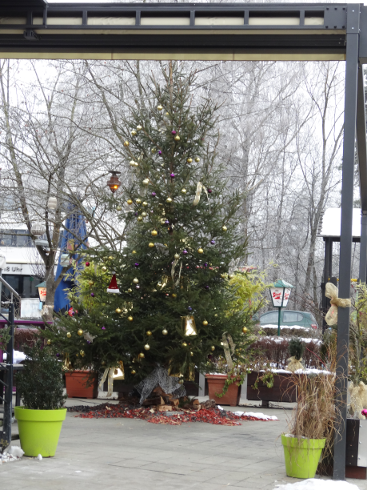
164,408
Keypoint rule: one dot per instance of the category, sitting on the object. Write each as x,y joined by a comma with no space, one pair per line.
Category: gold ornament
80,332
184,344
133,252
90,283
130,318
138,201
205,323
176,256
68,335
141,355
188,325
174,295
146,346
244,329
169,199
163,221
189,160
118,311
177,138
149,333
82,353
154,150
224,228
223,276
126,143
129,201
212,348
118,208
197,159
140,218
143,214
181,381
164,331
133,371
48,342
104,268
139,128
145,203
191,354
183,191
133,132
129,290
135,280
154,233
167,114
159,107
146,181
200,251
151,245
132,163
230,276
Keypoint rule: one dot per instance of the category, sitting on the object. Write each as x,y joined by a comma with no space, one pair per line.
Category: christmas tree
167,299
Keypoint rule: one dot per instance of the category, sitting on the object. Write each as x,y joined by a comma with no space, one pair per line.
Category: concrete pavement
129,454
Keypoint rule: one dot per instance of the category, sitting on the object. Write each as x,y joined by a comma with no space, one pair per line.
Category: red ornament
113,288
87,264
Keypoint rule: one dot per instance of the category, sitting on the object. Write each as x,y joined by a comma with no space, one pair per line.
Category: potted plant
311,426
41,387
81,384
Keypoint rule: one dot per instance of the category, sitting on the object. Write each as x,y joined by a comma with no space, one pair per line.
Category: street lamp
279,293
114,182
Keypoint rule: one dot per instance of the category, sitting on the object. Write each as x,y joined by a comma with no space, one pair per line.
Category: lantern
114,182
52,203
42,291
38,229
279,293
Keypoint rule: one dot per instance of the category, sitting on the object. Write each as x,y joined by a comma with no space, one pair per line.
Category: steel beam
350,117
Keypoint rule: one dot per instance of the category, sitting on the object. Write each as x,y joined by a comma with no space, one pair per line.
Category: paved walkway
128,454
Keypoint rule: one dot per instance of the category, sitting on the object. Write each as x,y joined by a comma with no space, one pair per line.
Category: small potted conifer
41,388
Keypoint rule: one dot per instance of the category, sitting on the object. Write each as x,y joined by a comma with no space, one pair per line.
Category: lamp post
2,266
279,293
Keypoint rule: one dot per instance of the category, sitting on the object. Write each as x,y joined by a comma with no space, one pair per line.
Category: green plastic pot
302,456
39,430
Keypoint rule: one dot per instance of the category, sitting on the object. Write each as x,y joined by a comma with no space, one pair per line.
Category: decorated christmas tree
168,299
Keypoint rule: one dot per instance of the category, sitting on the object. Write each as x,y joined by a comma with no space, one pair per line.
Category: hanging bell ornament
126,143
197,159
151,245
177,138
189,160
200,251
164,331
183,191
130,318
224,228
80,332
133,132
160,107
68,335
139,128
135,280
146,346
205,323
191,354
244,329
154,233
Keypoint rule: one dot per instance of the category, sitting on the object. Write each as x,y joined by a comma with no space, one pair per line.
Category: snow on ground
18,356
314,484
286,327
256,415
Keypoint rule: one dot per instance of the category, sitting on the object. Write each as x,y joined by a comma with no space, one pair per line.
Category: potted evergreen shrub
41,387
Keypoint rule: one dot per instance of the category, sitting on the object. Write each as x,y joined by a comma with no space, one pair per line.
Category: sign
42,293
277,296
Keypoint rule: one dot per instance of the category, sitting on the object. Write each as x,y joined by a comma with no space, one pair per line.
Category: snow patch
13,453
314,484
285,327
256,415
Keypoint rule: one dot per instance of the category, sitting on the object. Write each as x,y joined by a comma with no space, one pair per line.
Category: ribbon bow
331,292
112,373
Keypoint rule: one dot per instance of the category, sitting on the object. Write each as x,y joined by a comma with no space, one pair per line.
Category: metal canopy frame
332,31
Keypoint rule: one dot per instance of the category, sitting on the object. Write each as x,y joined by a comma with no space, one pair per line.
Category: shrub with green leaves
40,381
296,348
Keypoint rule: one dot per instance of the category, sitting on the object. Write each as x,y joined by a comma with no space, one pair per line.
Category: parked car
289,318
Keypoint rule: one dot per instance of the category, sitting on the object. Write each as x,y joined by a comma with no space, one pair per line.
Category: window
25,286
15,238
292,317
269,318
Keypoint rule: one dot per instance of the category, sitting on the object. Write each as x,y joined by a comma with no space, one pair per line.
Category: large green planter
39,430
302,456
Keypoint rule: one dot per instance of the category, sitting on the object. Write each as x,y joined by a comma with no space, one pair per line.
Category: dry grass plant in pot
311,427
41,387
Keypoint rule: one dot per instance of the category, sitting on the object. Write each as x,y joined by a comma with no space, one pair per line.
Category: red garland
209,416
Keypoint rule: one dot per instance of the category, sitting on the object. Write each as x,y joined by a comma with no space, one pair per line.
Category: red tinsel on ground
209,416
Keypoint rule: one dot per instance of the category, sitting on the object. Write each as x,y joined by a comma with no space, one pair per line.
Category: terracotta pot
216,385
79,385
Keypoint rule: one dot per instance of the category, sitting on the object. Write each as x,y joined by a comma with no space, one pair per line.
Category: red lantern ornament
114,182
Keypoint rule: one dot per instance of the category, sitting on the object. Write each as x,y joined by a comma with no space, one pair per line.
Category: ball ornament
80,332
130,318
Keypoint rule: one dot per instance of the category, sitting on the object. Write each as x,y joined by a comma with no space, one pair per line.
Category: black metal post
350,116
279,310
363,248
8,399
